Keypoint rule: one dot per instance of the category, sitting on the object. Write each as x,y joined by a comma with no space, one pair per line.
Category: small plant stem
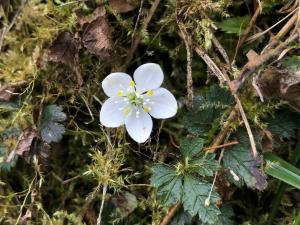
138,36
188,44
167,219
214,148
104,189
281,190
248,29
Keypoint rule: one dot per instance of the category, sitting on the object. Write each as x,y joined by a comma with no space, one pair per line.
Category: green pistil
134,99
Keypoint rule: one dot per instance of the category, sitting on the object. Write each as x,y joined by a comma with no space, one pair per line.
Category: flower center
137,100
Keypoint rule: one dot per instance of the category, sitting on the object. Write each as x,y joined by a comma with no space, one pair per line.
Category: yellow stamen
126,111
149,93
146,109
120,93
132,84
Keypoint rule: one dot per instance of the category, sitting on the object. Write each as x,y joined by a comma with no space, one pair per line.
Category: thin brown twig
213,149
138,37
249,28
167,219
188,44
221,50
225,77
254,64
12,23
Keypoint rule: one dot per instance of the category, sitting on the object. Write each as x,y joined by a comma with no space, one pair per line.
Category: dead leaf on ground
64,49
6,93
122,6
98,12
281,84
96,35
25,141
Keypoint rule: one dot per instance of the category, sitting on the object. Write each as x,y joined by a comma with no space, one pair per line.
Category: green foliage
181,218
208,110
292,62
168,183
283,125
235,25
195,193
226,215
242,166
282,170
50,126
8,138
191,146
182,183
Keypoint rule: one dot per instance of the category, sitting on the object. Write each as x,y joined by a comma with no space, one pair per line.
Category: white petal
139,127
116,82
163,104
112,112
148,76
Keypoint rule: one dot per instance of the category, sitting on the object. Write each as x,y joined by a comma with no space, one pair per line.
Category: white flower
132,102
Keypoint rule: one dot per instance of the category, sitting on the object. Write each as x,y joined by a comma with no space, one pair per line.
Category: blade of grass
281,189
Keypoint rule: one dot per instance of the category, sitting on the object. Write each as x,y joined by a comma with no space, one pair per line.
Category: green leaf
181,218
235,25
226,215
208,109
50,125
7,137
205,166
168,184
292,62
191,146
243,167
282,170
284,124
195,192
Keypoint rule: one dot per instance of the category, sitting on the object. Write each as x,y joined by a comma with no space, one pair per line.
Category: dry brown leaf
122,6
64,49
96,35
6,93
82,20
25,141
281,84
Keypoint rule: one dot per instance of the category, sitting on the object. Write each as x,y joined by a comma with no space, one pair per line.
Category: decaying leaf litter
233,68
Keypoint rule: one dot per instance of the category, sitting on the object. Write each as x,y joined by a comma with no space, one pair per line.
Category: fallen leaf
98,12
97,37
281,84
64,49
25,140
122,6
6,93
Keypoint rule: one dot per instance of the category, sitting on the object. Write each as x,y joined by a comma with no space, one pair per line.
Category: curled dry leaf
96,35
25,141
64,49
122,6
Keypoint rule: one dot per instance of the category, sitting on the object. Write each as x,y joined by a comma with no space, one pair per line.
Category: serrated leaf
207,110
191,146
205,166
168,184
242,166
195,192
235,25
181,218
284,124
226,215
50,126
